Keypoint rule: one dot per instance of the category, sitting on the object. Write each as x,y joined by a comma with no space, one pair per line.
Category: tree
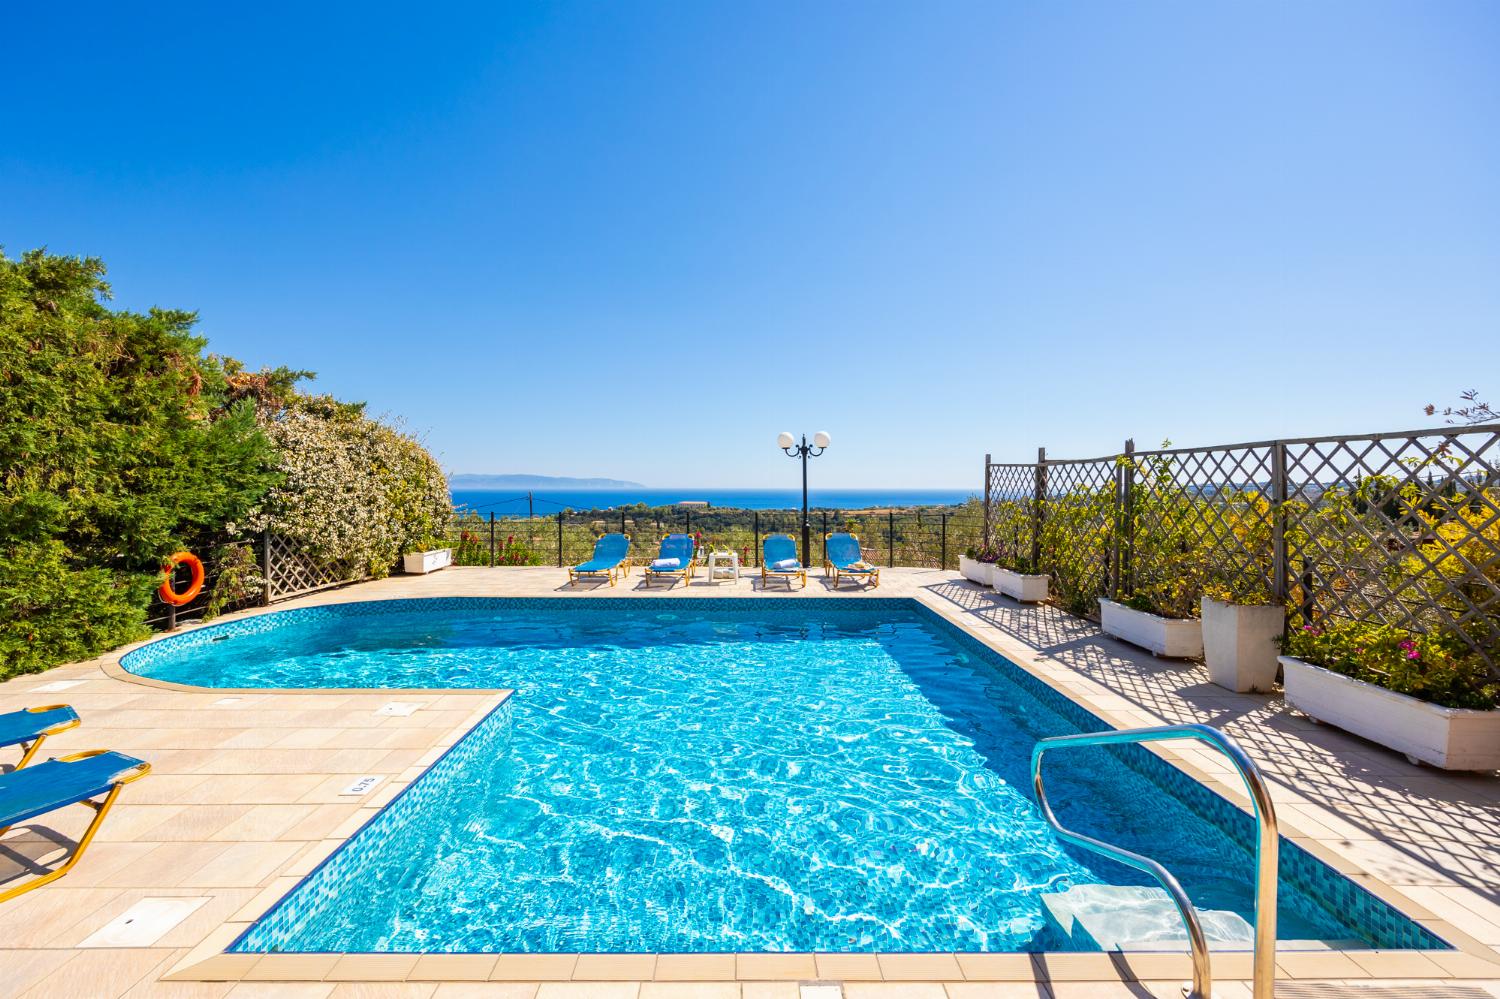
119,443
1472,413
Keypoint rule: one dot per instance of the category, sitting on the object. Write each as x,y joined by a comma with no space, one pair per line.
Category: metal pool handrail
1265,849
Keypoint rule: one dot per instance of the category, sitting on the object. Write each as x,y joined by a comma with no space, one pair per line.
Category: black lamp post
789,444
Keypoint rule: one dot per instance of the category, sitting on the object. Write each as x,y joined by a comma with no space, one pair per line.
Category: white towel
667,563
787,563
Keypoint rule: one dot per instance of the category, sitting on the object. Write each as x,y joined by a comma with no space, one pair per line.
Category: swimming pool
732,775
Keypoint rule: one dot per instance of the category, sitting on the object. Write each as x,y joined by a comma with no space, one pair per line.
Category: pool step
1130,917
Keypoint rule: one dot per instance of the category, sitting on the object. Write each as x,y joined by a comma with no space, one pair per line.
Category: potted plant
426,557
977,564
1426,696
1242,629
1137,620
1015,574
1160,612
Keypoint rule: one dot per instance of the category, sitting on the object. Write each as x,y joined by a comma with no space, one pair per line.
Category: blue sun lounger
29,727
844,558
678,548
775,552
611,556
68,780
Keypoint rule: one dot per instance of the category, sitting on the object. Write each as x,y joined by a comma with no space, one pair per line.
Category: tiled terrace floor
245,798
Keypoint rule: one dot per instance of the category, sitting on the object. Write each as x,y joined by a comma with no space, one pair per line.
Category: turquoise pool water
718,775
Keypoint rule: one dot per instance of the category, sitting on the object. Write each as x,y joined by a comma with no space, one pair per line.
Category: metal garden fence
253,572
927,538
1398,528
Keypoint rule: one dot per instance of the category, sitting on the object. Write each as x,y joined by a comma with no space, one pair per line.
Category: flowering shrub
516,552
1430,667
354,492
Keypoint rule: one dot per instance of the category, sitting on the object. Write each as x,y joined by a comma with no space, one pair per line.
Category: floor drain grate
144,923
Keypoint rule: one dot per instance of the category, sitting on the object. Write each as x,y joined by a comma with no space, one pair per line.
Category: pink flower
1414,654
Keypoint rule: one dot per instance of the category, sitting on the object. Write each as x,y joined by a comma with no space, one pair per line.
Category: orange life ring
171,596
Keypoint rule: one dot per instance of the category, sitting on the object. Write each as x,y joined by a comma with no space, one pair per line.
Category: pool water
709,775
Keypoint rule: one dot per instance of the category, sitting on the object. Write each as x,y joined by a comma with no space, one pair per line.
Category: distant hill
469,481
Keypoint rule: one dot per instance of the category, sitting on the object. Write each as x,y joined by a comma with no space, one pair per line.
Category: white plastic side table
722,566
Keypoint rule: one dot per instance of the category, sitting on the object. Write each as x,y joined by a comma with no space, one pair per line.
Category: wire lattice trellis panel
1198,518
290,570
1076,527
1402,529
1010,524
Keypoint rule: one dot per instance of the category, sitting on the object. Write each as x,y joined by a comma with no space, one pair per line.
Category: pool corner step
1131,917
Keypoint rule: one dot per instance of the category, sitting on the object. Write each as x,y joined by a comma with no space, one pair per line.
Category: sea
545,501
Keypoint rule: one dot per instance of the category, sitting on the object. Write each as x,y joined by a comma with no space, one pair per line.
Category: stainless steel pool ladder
1265,848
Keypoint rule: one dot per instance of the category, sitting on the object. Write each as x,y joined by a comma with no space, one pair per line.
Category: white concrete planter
1027,588
420,563
1450,738
1241,643
975,571
1166,636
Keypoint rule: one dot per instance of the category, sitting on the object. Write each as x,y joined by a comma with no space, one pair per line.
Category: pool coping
210,961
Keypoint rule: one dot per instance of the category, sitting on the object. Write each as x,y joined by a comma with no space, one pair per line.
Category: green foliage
119,442
53,610
239,579
1432,667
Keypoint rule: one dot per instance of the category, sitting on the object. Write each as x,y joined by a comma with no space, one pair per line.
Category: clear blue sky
536,230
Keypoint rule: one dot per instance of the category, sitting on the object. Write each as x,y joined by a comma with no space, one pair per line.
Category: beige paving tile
690,990
291,967
695,967
372,968
282,990
452,968
1396,964
383,990
1465,965
20,969
163,865
589,990
99,974
150,987
895,990
1326,964
1005,967
533,967
614,967
262,822
1077,967
998,990
769,990
42,918
1099,990
486,990
848,967
243,865
920,967
775,966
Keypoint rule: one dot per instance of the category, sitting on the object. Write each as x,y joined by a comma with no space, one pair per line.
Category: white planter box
1450,738
975,572
420,563
1027,588
1241,643
1166,636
